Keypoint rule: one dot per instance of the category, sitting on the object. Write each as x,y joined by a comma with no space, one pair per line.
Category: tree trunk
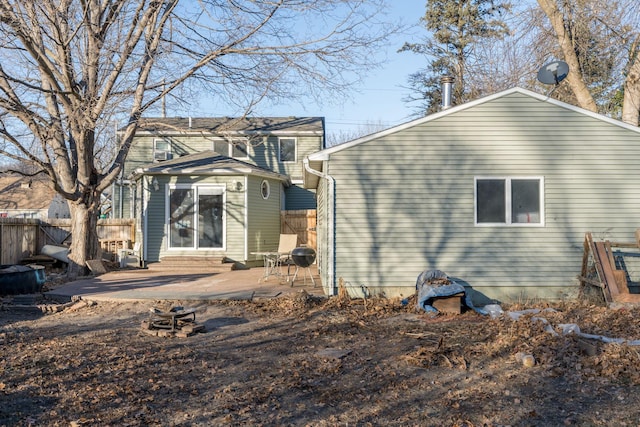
574,79
84,239
631,103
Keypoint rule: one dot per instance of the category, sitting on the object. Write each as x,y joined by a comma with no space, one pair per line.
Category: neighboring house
30,197
498,193
215,187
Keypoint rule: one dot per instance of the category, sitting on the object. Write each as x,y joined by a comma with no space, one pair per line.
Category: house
497,193
213,188
30,197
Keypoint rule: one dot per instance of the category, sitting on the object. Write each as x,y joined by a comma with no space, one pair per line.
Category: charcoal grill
303,257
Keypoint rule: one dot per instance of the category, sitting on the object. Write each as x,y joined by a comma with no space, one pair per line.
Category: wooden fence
302,223
22,238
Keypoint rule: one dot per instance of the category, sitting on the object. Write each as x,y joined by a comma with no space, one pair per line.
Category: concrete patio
143,284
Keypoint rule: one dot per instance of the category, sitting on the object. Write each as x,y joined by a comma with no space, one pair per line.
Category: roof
315,160
207,163
241,125
19,192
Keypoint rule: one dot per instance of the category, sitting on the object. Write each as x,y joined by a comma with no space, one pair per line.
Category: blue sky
378,100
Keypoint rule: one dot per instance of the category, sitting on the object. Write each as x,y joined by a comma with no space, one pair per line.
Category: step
190,263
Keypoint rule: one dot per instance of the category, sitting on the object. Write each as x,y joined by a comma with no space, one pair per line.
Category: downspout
331,265
120,196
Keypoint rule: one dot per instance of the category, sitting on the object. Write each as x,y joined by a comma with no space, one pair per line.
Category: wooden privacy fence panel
54,232
302,223
21,238
18,239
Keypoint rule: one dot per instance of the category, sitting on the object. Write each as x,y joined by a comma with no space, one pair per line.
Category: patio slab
143,284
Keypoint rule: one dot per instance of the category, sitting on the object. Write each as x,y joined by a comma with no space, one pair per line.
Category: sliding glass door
196,217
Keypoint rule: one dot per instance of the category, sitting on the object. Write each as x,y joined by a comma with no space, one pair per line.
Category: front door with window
196,217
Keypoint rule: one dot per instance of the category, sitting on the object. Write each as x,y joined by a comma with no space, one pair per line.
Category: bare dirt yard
308,361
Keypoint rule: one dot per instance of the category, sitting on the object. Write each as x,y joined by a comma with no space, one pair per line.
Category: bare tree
364,129
71,67
599,41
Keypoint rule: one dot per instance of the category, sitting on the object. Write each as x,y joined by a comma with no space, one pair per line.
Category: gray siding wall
298,198
405,201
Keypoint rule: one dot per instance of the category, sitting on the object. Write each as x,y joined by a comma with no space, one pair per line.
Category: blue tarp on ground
432,284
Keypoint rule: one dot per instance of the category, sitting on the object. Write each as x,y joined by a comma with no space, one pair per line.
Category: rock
527,360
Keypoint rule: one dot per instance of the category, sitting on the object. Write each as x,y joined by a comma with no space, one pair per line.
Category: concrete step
193,264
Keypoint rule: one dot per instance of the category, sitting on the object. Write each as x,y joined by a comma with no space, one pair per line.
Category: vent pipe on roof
189,122
447,90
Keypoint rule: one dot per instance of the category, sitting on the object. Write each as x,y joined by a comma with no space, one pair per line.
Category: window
161,149
237,148
287,149
196,217
509,201
265,189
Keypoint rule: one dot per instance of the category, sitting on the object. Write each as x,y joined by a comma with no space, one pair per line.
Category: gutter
331,209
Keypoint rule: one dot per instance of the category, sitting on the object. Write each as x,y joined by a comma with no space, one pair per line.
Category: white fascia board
324,154
223,133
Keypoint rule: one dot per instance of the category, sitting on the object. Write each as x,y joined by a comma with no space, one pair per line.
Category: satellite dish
553,72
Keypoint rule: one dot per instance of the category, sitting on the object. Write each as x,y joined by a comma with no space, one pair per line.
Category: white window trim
195,195
295,153
268,187
508,220
230,143
169,152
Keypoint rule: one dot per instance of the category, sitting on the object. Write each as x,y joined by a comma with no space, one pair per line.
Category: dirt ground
309,361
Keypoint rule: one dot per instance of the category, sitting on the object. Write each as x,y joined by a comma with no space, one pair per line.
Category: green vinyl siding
262,151
122,198
265,154
263,232
322,237
157,243
405,200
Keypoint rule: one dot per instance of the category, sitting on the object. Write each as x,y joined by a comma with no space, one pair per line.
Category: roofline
222,133
218,172
324,154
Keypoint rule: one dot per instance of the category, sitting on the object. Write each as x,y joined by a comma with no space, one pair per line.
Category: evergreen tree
456,28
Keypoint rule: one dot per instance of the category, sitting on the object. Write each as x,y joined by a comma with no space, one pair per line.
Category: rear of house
498,193
214,188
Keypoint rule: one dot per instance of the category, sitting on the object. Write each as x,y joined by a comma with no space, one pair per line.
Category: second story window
161,150
287,149
237,148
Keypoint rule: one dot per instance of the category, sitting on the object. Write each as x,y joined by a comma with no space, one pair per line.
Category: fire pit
303,257
178,322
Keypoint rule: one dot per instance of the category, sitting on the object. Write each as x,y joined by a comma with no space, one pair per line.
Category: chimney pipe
447,90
